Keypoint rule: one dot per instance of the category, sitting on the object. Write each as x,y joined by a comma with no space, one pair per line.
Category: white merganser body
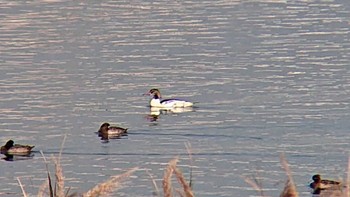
166,103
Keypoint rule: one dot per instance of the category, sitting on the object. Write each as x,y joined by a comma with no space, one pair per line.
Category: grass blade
22,188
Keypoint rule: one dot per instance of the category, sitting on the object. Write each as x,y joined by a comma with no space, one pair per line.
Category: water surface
269,77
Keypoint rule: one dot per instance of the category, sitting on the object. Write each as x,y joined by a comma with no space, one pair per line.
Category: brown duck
106,129
16,149
319,184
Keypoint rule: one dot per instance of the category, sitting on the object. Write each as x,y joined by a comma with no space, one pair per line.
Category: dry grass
255,183
108,186
289,189
347,189
167,185
57,188
167,188
22,188
114,183
42,189
156,193
181,179
189,151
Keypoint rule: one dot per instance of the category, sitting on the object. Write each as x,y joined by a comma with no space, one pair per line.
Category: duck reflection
17,157
156,112
105,137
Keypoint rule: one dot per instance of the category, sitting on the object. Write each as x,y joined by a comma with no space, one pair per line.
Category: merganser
320,184
166,103
10,148
106,129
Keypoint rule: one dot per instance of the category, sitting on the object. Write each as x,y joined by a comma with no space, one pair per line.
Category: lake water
270,77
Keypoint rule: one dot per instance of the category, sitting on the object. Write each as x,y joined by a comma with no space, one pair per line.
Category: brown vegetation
57,188
290,189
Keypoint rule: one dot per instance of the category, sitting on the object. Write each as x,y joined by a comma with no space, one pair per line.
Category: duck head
9,144
155,93
104,127
316,178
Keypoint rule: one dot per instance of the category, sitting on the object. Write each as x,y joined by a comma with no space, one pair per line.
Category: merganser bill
15,149
166,103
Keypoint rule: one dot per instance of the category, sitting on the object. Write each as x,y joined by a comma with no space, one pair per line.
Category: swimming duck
319,184
166,103
15,149
106,129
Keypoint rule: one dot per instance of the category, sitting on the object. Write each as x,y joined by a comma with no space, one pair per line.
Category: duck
107,130
166,103
10,148
319,184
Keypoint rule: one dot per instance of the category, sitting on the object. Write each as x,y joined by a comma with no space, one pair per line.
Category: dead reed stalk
167,188
56,189
156,193
51,192
42,189
189,151
289,188
58,171
108,186
255,183
347,192
181,179
59,179
22,188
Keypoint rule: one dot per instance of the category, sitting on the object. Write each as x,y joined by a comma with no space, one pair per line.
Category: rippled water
269,77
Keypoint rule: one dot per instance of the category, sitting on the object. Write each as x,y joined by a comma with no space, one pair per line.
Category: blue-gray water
269,77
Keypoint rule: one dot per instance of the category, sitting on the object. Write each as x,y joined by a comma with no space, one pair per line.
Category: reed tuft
57,188
289,187
167,187
181,179
255,184
108,186
59,179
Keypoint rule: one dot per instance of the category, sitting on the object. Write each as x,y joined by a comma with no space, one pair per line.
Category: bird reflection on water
105,137
11,157
156,112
